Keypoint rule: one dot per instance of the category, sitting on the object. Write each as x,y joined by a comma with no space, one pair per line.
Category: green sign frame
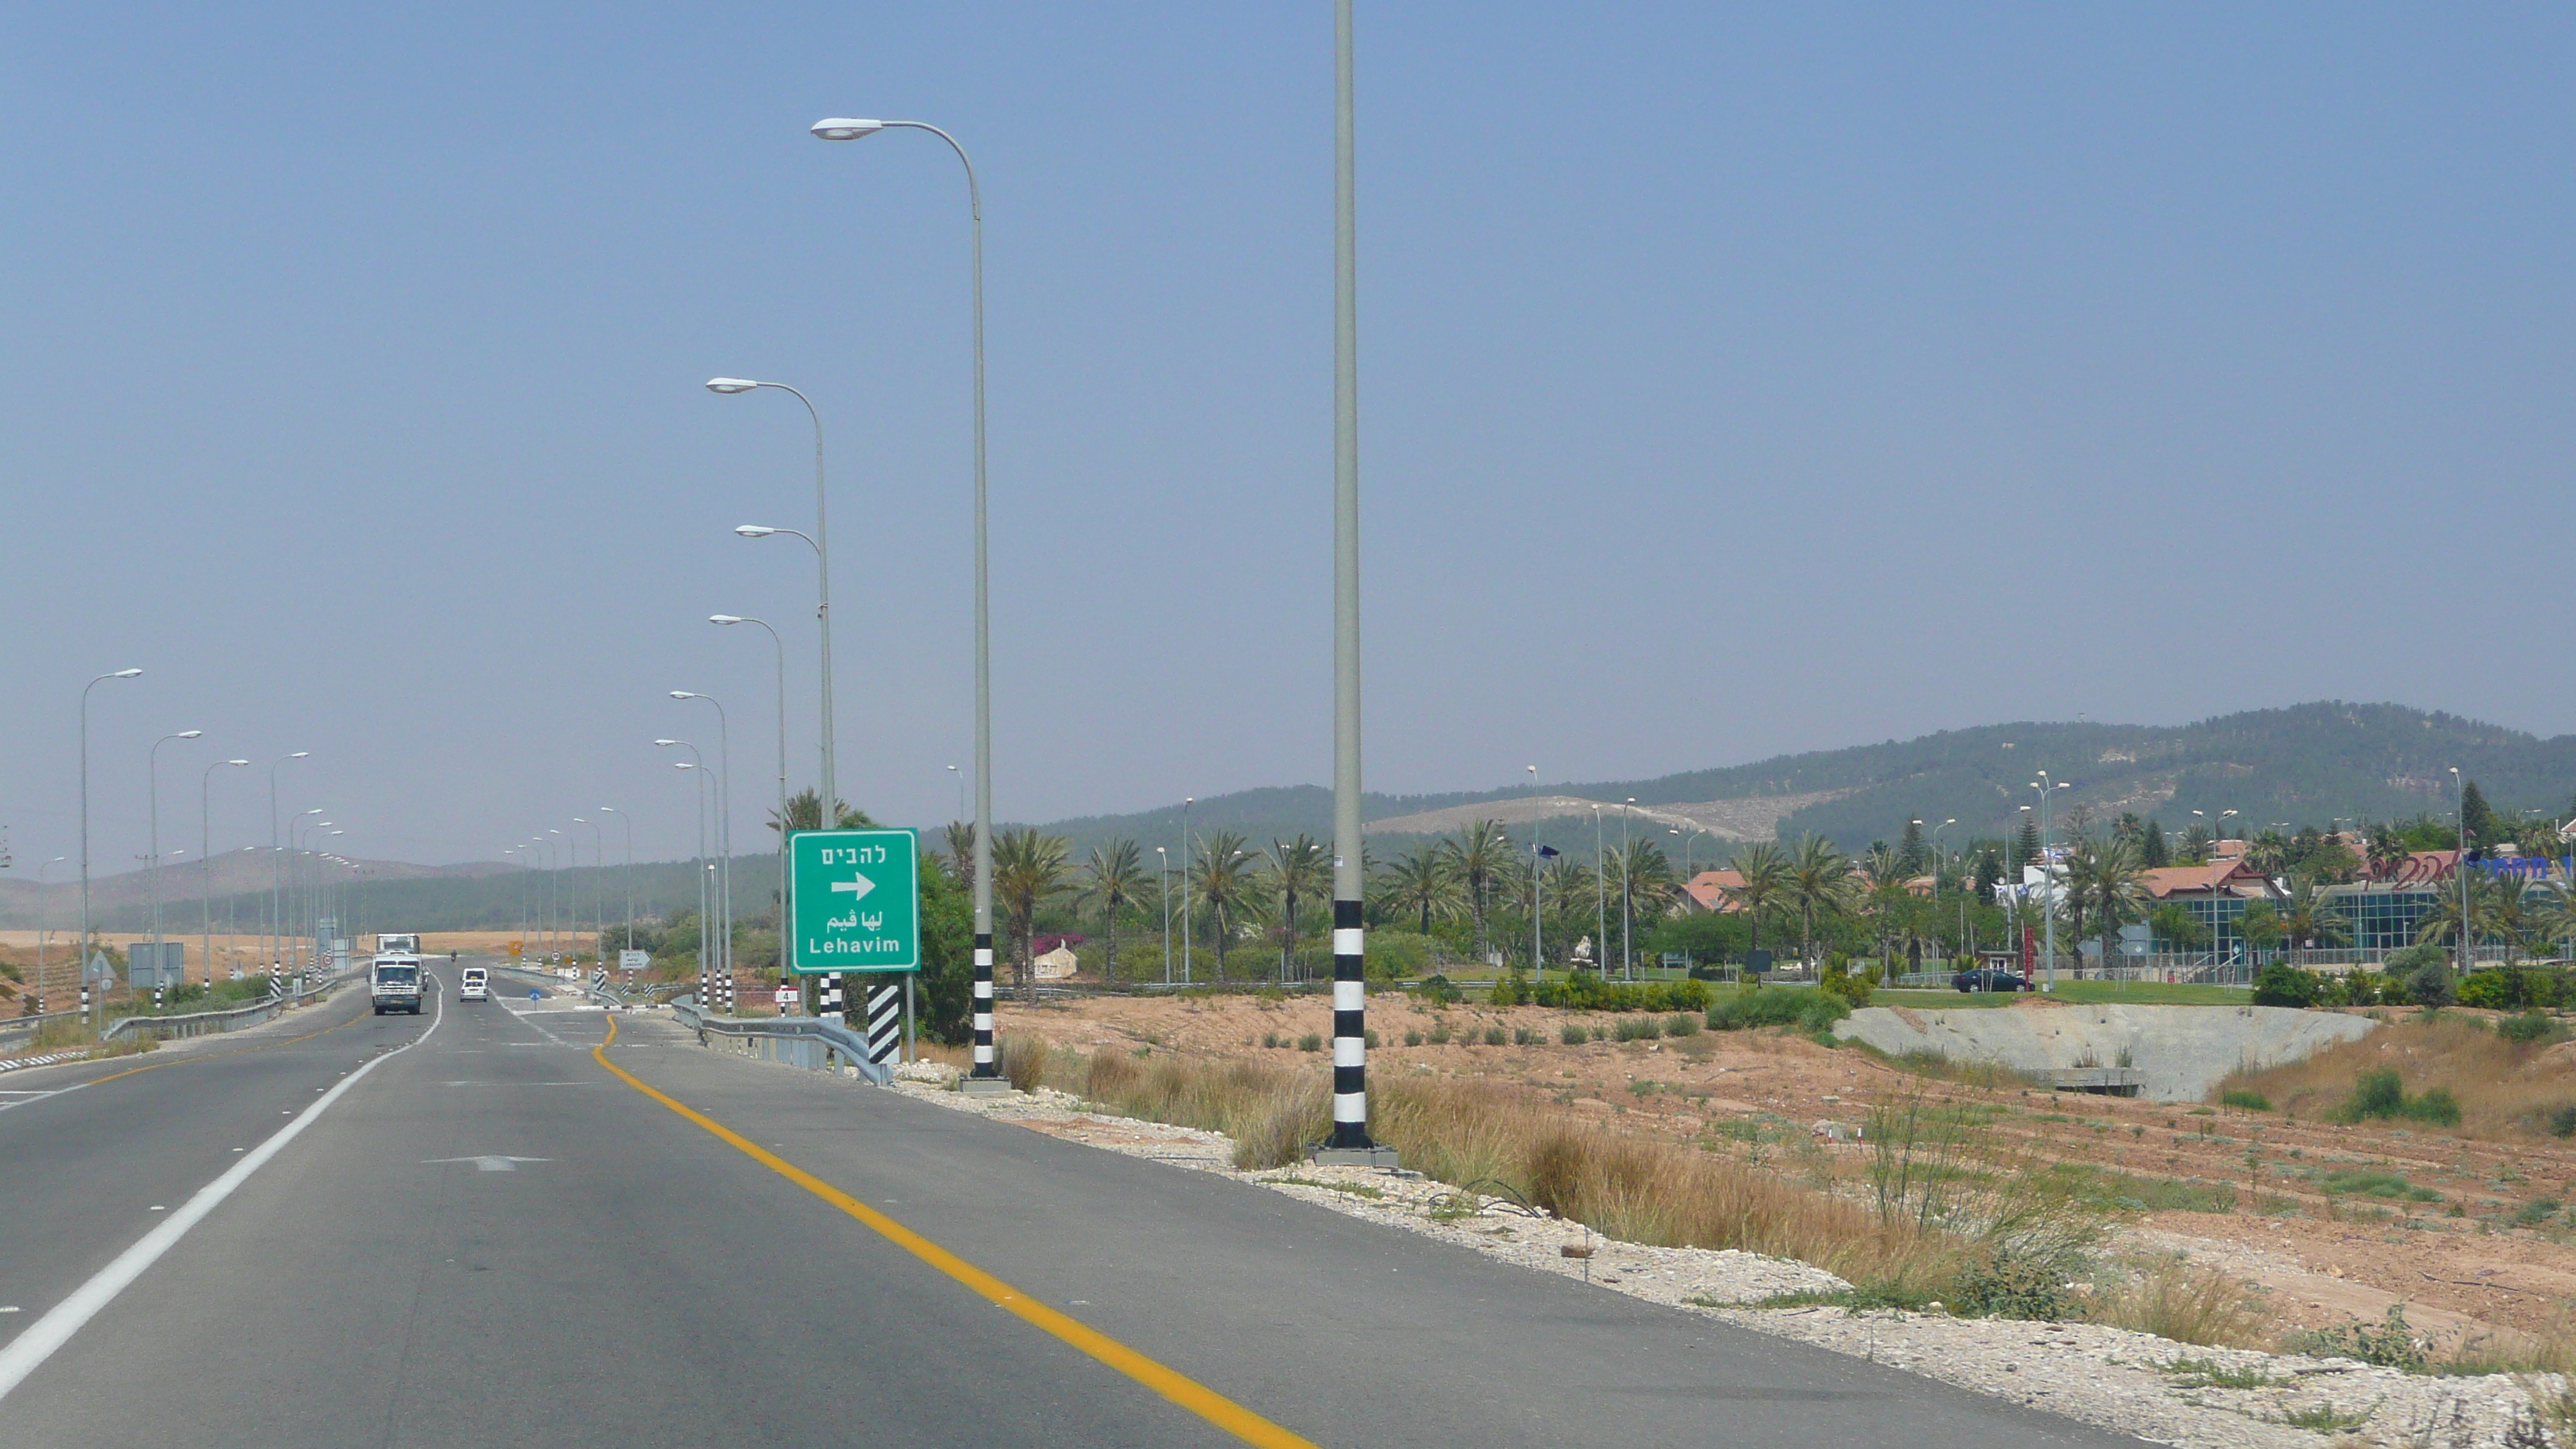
854,900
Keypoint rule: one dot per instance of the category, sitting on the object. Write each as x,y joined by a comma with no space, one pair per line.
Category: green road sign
856,901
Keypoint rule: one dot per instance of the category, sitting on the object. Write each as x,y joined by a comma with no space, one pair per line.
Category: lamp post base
986,1086
1379,1155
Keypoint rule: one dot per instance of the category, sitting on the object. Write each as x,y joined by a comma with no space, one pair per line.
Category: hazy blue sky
1734,381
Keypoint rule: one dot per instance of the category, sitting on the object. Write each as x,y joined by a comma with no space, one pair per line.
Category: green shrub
2245,1101
1439,1033
1496,1036
1586,991
1637,1028
1681,1023
1805,1009
1512,990
1523,1036
2389,1344
2281,984
1270,1039
2014,1287
1437,990
2527,1028
2562,1120
2537,1211
2373,1182
1390,956
1311,1042
2381,1095
1413,1038
1575,1034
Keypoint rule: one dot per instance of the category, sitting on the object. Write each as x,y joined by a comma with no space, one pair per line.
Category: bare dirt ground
2462,1262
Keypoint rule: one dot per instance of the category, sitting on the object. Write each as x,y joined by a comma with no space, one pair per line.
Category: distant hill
2307,764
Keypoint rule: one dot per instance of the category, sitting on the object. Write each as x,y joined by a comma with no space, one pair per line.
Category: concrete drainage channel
2167,1053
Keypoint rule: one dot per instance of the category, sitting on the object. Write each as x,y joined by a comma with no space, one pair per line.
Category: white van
474,984
394,982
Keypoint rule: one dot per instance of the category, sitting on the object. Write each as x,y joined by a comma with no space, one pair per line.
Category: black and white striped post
987,1075
706,984
827,997
1350,1142
885,1020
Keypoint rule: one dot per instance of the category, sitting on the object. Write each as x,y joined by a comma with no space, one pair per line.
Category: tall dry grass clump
1270,1112
1024,1058
1631,1188
2504,1088
2172,1297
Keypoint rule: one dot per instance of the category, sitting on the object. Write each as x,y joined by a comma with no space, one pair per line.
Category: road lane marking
489,1163
1188,1393
50,1332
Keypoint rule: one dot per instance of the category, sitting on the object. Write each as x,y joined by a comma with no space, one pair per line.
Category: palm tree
2553,917
961,853
1821,887
1764,871
1479,856
1421,882
2442,923
1565,887
1028,871
2309,919
2387,851
1114,878
2268,853
2102,876
1222,877
1644,873
1299,868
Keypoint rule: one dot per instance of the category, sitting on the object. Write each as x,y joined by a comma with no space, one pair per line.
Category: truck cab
394,982
473,983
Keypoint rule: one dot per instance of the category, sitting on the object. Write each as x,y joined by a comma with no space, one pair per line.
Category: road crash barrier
799,1041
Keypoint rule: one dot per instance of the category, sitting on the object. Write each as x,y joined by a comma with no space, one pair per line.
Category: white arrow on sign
489,1164
858,887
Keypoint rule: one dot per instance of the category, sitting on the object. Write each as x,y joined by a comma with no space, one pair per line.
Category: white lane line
541,1031
66,1318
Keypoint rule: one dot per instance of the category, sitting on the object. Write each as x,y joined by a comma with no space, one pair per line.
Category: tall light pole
152,769
1627,889
1538,943
2460,867
42,934
724,827
598,894
706,963
1600,900
204,857
1162,868
2048,868
849,129
629,822
276,861
1186,802
572,897
781,649
822,545
82,954
961,792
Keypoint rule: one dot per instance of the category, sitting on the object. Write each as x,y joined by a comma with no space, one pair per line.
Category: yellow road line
1205,1402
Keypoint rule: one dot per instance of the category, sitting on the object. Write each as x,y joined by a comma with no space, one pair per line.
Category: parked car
1990,979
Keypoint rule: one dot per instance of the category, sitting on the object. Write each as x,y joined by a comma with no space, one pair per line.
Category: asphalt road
493,1238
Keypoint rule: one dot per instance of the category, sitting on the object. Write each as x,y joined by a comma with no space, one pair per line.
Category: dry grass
2172,1297
2505,1089
1023,1059
1270,1112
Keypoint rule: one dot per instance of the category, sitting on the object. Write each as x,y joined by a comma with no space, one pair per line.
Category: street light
2460,867
598,898
2048,868
572,898
780,648
42,934
842,128
152,772
821,542
706,964
724,826
82,954
1163,869
629,822
276,881
205,864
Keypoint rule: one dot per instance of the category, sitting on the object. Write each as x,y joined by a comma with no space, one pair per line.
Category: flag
1547,852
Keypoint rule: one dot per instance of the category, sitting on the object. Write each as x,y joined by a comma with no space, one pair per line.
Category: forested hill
2306,764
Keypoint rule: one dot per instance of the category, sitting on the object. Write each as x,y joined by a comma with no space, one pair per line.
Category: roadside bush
1524,1036
1637,1028
2380,1095
2245,1101
1437,990
1586,991
1024,1060
1805,1009
2562,1120
1576,1034
1413,1038
1512,990
2281,984
1439,1033
2172,1297
1839,981
1681,1023
2388,1344
2013,1286
1311,1042
1390,956
1496,1036
2527,1028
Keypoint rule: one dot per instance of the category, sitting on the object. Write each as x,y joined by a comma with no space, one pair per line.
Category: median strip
1188,1393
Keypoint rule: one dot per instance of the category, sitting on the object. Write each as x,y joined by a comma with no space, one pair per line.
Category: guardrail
801,1041
203,1023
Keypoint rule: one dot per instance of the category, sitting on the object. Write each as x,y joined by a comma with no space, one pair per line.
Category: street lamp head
316,810
754,530
666,744
729,386
236,762
684,765
846,128
299,754
125,674
724,618
189,735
